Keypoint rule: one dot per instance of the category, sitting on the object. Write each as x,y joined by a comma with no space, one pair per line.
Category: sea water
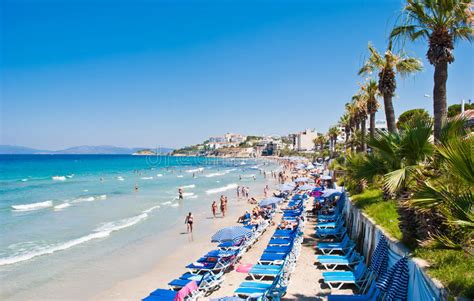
59,213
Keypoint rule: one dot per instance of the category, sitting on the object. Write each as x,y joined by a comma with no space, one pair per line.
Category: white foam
90,198
152,208
33,206
70,176
147,178
248,176
121,224
222,189
175,205
62,206
180,176
167,203
188,194
195,170
120,178
52,249
215,174
24,180
188,186
192,197
59,178
159,175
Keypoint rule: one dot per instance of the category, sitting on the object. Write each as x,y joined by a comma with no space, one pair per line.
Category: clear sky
172,73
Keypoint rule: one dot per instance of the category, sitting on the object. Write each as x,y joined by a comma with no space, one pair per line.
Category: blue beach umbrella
287,187
301,179
270,201
306,187
326,178
379,260
232,233
330,193
395,282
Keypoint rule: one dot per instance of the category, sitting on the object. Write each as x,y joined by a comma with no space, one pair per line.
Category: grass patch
384,213
454,268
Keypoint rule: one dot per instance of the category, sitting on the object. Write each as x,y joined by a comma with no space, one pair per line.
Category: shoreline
172,265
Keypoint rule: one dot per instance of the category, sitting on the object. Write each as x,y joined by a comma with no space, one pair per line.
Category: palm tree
345,123
388,65
360,101
441,22
321,140
333,132
371,91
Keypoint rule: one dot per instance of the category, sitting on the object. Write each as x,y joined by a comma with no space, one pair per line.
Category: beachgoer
189,222
240,178
238,192
180,193
214,208
254,178
222,206
136,187
265,190
247,191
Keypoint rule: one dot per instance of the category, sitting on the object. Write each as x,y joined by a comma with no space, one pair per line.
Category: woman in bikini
189,222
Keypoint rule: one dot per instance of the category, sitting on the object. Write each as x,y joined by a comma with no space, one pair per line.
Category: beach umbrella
306,187
232,233
301,179
327,193
395,282
228,299
379,260
269,201
287,187
326,178
300,166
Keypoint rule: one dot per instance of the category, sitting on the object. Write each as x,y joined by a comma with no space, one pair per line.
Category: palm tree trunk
363,132
372,124
439,97
389,112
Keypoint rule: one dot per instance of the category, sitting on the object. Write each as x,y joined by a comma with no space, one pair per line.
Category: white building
304,140
228,140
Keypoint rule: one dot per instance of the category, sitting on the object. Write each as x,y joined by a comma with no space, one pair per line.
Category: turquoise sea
59,213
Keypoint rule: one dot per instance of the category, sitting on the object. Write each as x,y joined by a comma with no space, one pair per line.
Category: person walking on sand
189,222
238,192
214,208
222,205
265,190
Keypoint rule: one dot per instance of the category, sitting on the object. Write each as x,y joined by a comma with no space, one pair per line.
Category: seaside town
343,179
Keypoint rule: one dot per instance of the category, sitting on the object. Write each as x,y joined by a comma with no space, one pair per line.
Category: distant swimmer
254,178
101,179
180,193
240,177
136,187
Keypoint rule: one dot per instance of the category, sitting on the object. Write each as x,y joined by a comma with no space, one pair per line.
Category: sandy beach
191,247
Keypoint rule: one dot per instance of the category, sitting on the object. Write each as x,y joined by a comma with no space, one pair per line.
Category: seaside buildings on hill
239,145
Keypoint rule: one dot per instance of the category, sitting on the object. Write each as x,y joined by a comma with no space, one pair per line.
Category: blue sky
171,73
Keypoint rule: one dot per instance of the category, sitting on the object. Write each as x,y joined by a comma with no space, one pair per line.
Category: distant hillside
19,150
78,150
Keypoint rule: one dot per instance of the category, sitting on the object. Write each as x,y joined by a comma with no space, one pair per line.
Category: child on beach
189,223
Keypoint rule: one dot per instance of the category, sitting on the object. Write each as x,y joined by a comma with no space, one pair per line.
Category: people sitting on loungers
244,218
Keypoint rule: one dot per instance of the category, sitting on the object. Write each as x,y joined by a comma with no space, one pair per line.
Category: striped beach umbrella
379,260
306,187
233,233
395,282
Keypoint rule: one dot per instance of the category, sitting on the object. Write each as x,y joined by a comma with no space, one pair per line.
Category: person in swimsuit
189,222
180,193
214,208
222,206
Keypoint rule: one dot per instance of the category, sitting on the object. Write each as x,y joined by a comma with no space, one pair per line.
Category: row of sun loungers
339,257
269,278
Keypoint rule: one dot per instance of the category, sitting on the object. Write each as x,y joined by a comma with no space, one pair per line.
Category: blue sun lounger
332,232
336,279
333,224
204,282
372,294
331,262
329,247
259,272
